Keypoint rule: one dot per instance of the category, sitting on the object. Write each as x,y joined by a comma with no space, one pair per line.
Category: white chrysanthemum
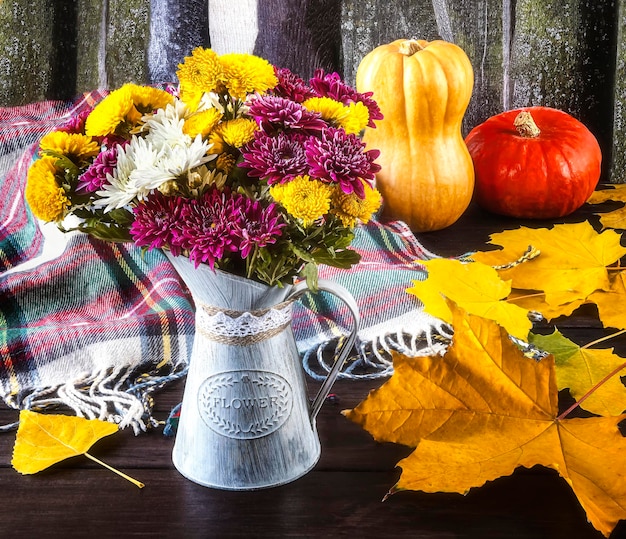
180,159
211,100
165,129
136,174
201,178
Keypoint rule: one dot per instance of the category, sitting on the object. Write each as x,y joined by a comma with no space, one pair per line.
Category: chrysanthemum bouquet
243,166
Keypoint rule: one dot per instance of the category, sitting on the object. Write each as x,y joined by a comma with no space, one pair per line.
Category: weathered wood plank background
568,54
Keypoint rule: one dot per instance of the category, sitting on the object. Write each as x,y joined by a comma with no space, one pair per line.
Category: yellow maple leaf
572,264
579,369
475,287
535,300
610,302
614,218
484,409
45,439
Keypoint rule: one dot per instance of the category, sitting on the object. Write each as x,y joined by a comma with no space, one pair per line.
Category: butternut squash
423,90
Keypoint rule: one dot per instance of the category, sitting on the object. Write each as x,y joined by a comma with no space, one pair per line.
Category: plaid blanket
98,327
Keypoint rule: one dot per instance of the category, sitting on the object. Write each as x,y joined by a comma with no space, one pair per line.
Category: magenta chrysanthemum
290,86
275,159
338,157
156,219
208,226
274,113
259,227
76,124
331,85
96,175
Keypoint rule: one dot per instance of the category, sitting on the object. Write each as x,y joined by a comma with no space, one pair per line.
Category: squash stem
525,125
410,47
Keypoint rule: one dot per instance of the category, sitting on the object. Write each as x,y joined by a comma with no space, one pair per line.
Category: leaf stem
121,474
605,338
525,296
594,388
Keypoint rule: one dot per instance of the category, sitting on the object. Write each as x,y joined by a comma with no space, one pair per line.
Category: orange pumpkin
534,163
423,90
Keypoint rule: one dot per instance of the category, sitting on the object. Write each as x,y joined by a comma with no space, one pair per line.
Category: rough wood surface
342,497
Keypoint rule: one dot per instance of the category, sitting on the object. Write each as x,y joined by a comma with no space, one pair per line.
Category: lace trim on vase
242,328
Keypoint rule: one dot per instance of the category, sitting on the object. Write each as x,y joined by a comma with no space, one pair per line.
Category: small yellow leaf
45,439
572,263
580,369
476,288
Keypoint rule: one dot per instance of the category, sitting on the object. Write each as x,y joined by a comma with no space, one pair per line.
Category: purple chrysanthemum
338,157
290,86
156,218
96,175
275,158
76,124
259,227
274,113
208,226
331,85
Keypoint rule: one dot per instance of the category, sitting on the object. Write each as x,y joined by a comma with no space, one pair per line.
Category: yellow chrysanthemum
304,198
225,163
45,197
246,74
112,111
332,111
73,145
191,96
147,99
353,117
356,118
200,72
202,123
126,105
238,132
216,141
350,208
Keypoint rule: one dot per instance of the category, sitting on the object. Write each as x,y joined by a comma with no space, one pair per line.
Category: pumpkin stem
525,125
410,47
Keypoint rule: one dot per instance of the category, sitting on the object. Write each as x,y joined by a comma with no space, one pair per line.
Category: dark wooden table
341,497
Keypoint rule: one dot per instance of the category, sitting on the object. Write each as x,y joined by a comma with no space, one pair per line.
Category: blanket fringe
373,357
107,395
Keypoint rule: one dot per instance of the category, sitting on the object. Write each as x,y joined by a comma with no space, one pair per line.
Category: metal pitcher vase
246,421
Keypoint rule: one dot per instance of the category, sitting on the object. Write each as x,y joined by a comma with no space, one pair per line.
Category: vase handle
346,297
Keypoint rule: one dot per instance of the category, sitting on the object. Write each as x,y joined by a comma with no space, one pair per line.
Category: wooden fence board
365,24
176,28
477,27
618,99
25,56
568,54
562,57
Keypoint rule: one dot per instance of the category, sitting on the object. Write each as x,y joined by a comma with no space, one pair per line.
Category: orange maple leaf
484,409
